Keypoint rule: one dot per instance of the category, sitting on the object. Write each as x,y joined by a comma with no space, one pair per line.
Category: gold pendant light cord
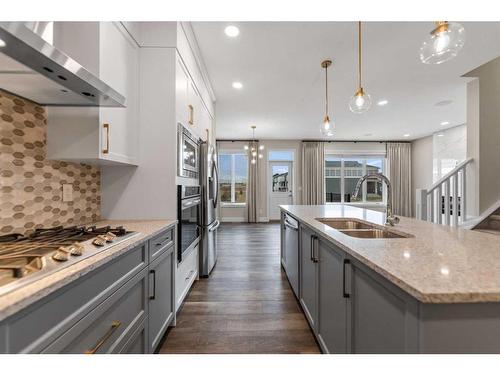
359,55
326,91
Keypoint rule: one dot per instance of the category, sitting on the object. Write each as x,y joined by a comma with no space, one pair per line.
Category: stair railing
445,201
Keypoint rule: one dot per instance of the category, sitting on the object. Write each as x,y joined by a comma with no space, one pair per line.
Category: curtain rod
342,141
307,140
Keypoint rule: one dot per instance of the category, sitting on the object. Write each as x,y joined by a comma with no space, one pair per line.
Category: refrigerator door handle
214,226
215,181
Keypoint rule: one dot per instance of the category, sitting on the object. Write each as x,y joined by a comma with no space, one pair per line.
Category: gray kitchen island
416,287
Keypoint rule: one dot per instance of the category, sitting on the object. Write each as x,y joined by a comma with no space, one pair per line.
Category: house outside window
342,175
233,175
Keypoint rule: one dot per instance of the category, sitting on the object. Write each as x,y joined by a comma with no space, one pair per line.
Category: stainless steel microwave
188,149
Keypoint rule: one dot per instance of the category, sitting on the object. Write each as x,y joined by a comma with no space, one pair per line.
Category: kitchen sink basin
341,224
373,233
360,229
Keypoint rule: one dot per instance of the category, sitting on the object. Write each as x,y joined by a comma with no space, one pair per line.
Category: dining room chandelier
253,148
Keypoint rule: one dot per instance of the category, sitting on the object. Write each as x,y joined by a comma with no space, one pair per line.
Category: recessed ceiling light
406,135
442,103
232,31
440,135
445,123
382,102
2,43
237,85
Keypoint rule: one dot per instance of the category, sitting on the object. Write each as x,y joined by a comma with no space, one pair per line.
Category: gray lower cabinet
350,308
381,318
124,306
161,297
107,328
332,299
308,279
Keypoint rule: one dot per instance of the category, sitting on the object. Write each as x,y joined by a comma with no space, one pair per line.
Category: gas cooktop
27,258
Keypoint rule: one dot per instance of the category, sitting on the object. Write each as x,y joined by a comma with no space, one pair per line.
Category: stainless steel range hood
34,69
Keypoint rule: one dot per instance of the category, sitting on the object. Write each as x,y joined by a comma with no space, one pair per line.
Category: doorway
280,186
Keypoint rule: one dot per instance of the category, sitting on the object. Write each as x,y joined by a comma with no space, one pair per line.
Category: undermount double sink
360,229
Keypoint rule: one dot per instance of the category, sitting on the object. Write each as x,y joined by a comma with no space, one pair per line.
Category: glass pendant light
360,102
327,126
443,43
254,148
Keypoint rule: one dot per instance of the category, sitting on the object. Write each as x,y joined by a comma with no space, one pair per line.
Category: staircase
491,224
445,201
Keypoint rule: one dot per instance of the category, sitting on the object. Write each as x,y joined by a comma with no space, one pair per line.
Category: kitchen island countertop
18,299
438,264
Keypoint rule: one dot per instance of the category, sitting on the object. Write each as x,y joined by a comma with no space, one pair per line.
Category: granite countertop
439,264
18,299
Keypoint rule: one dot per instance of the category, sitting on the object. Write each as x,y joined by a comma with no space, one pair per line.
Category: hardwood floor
246,305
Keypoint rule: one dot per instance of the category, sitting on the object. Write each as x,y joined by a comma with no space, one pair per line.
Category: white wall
421,156
449,148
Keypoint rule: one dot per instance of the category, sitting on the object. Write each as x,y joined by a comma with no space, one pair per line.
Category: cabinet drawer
32,329
108,327
186,273
137,344
160,242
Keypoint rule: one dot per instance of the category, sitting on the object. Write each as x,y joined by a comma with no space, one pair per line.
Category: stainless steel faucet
390,219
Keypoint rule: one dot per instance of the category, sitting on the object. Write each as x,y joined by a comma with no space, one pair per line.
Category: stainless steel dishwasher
291,251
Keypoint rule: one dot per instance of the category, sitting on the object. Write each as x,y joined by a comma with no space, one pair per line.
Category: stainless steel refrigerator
209,181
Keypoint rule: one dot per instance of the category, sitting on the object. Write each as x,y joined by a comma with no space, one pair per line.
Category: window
280,155
342,175
233,169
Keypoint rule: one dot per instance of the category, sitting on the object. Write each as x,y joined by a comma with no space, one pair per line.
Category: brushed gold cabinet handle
191,115
114,325
106,150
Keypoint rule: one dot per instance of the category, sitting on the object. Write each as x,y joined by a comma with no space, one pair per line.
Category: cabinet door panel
308,278
378,315
119,66
161,303
332,327
181,92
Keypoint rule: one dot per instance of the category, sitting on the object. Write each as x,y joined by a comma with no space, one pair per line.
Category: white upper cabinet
191,110
98,135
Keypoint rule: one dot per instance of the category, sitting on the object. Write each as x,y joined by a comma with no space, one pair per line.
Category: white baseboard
232,219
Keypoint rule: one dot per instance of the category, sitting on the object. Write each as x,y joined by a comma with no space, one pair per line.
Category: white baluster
455,200
463,211
447,202
439,204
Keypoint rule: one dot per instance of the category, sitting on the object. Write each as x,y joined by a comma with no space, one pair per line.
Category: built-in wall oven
188,215
188,148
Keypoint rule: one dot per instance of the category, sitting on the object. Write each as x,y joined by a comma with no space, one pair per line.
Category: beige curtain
313,173
399,166
252,187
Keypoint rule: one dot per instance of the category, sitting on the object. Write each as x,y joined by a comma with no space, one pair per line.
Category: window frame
364,158
233,153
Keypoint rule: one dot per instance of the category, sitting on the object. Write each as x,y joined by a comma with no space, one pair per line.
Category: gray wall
484,131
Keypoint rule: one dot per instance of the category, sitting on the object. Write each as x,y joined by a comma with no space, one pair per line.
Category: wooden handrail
448,175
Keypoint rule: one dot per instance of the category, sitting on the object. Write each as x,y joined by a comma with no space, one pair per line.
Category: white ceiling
283,83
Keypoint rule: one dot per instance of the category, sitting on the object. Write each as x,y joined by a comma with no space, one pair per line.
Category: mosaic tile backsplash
30,185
